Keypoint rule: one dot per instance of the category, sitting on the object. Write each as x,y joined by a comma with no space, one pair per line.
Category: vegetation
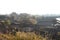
28,27
21,36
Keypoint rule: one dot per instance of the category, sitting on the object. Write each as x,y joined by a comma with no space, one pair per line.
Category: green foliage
7,22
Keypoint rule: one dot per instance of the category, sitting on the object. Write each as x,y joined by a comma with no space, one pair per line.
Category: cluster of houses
44,22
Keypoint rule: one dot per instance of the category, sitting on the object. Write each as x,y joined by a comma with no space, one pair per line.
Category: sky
35,7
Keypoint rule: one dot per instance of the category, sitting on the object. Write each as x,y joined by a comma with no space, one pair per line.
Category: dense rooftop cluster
24,22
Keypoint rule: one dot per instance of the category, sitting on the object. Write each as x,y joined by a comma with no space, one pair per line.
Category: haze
35,7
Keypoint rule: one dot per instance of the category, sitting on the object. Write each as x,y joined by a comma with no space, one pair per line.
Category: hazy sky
30,6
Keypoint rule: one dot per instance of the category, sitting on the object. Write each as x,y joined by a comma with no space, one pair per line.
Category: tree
13,16
27,20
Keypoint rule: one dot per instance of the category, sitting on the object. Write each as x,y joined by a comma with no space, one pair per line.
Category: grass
21,36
